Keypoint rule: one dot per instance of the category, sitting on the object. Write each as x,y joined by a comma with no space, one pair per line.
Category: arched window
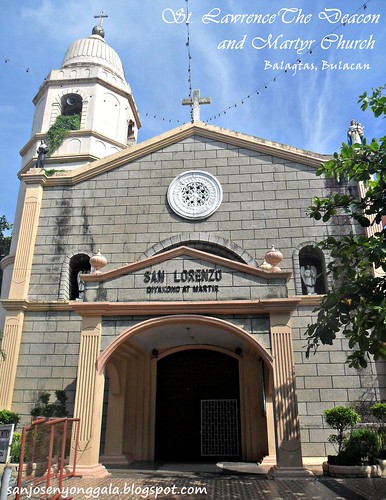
206,242
208,247
71,105
312,270
79,264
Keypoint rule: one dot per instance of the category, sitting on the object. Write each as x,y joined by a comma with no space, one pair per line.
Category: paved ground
209,482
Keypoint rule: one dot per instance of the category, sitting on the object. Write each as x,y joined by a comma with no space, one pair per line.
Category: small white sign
6,434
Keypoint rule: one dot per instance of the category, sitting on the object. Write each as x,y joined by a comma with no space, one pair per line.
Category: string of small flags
298,60
162,118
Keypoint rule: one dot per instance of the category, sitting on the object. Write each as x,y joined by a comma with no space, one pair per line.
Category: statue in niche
355,133
81,285
309,276
42,152
130,129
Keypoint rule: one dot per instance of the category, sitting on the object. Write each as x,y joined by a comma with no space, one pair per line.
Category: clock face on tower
194,195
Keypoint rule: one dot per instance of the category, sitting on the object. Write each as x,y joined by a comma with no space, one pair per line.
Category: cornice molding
201,129
309,300
26,305
71,133
222,308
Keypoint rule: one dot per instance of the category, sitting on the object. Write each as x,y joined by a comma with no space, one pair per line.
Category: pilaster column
18,290
89,400
114,441
288,444
11,347
26,242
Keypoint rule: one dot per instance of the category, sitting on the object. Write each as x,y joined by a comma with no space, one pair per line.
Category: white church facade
166,285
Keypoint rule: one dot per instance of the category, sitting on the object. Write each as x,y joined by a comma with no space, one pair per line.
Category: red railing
48,455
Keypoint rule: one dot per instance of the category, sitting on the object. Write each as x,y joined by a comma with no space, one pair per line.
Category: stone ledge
290,473
355,470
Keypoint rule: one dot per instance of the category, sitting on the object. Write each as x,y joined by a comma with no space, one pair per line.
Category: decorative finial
97,261
98,30
274,257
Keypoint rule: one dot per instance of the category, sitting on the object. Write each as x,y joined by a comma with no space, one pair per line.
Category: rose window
195,194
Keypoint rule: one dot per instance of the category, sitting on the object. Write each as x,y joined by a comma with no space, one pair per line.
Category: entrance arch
197,406
133,362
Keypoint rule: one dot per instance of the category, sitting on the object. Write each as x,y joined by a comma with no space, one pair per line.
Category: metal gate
219,427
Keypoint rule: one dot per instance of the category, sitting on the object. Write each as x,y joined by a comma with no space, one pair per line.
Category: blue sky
309,108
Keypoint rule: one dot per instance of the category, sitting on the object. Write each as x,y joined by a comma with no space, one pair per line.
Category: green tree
356,304
5,241
340,418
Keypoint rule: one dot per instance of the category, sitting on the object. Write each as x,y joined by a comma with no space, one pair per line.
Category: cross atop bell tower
101,16
195,102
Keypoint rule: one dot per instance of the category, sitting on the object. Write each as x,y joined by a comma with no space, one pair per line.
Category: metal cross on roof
195,103
101,15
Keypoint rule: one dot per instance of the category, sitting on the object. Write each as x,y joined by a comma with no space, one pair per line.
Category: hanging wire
187,13
265,85
255,92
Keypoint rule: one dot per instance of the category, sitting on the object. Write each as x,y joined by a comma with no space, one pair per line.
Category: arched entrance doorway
197,406
153,365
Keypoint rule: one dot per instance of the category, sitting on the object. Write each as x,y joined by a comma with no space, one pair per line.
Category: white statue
81,285
355,133
309,275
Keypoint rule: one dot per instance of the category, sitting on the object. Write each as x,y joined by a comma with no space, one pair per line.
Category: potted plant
340,418
357,450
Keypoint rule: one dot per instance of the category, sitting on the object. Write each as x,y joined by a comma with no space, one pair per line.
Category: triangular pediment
184,274
174,136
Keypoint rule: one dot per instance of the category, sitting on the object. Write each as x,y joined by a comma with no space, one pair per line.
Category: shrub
340,418
9,417
16,447
379,412
58,131
43,408
362,445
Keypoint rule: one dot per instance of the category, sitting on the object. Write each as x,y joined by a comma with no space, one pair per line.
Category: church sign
188,280
184,275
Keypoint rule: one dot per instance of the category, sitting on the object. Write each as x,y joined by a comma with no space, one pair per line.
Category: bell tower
90,98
